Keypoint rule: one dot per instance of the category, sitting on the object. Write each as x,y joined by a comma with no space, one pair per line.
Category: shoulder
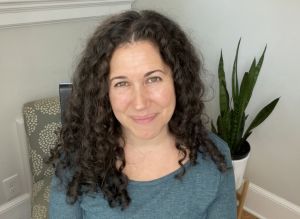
222,147
205,164
59,204
59,186
206,168
207,178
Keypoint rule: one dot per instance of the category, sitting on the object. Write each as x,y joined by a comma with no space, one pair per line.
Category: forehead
136,56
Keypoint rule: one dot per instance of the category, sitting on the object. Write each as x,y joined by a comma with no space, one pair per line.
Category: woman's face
141,90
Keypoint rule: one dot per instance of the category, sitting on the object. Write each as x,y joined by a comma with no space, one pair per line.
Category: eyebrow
146,75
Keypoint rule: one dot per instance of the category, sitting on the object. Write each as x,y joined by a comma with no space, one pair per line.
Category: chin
146,135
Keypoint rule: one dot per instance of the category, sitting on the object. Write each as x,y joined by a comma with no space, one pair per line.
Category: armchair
41,119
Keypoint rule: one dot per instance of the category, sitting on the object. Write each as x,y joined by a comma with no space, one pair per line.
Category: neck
158,142
139,150
148,159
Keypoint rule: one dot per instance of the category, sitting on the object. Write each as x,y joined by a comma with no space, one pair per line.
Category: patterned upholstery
42,119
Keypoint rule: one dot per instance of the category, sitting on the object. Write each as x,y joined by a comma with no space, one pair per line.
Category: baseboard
18,208
266,205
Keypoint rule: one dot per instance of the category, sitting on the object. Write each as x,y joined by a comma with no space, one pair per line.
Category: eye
153,79
121,84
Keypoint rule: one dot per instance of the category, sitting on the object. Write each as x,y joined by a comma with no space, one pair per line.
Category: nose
140,98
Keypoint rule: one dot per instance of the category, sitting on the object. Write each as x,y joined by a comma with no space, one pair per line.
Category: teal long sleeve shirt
203,193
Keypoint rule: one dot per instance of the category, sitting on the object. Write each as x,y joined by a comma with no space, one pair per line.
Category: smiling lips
144,119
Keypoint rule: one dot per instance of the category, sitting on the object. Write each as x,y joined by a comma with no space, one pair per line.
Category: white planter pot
239,167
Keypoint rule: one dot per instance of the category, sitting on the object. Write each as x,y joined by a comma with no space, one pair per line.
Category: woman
133,144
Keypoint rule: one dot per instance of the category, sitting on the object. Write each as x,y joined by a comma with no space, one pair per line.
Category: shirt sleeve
224,205
59,208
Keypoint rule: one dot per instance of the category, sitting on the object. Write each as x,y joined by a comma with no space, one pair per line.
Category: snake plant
232,118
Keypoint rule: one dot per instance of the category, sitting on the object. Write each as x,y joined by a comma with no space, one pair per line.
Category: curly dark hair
90,141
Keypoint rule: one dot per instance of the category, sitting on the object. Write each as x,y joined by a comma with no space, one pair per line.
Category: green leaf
253,65
253,75
223,123
221,131
246,135
223,93
232,118
244,92
227,124
262,115
235,83
235,127
261,59
240,131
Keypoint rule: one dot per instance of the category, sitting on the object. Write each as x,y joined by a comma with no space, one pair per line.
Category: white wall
275,157
33,60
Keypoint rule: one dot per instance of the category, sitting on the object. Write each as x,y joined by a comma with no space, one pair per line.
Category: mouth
144,119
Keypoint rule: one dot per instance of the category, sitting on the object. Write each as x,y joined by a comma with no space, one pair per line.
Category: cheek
118,102
165,97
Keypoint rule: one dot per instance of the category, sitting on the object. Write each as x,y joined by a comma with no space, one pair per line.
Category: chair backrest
42,120
64,94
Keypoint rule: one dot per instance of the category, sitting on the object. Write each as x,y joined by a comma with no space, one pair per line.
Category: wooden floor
246,215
